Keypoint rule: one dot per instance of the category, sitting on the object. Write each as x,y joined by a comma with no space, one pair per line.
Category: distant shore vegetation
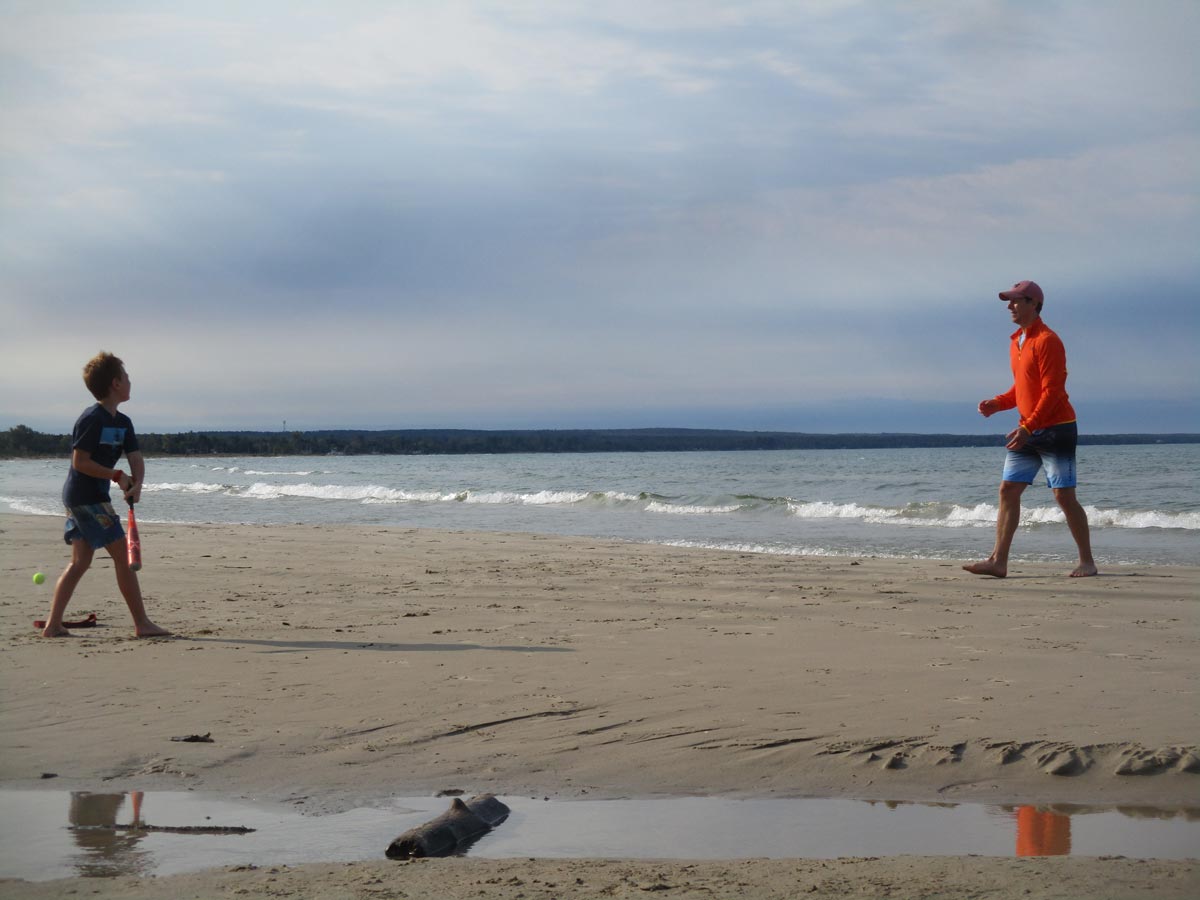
21,441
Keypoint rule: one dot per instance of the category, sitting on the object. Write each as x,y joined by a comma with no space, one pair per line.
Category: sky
532,214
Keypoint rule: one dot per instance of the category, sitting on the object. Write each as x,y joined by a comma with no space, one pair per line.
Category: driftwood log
451,832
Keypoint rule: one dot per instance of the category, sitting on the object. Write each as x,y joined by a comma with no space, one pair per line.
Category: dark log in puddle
167,829
453,831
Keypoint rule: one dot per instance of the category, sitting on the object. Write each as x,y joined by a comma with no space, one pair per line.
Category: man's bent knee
1012,489
1065,497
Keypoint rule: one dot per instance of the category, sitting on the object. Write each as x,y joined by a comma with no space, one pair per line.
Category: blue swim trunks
1052,447
96,523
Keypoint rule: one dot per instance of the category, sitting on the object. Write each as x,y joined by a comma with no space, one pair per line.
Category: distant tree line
22,441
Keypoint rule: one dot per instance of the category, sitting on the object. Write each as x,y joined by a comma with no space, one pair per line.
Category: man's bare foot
56,632
151,630
987,567
1085,570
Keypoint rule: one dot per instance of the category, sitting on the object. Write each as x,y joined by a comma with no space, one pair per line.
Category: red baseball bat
134,541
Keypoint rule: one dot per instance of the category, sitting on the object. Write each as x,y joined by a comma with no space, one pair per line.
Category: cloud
457,211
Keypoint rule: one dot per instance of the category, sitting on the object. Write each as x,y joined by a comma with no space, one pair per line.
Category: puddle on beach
54,834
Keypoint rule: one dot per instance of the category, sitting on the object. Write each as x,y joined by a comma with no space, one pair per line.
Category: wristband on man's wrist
116,477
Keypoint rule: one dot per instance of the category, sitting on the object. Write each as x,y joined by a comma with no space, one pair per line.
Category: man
1046,435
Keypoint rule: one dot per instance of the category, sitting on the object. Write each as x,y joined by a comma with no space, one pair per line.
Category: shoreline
1029,558
337,664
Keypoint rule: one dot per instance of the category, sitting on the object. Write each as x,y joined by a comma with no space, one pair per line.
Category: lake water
1143,501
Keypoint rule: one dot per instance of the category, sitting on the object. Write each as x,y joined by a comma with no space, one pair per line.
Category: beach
337,665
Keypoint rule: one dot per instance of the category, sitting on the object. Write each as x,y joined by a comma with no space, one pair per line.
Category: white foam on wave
822,509
538,498
923,514
983,515
29,507
390,495
936,515
736,547
965,516
549,498
680,509
191,487
266,474
370,493
373,493
1115,518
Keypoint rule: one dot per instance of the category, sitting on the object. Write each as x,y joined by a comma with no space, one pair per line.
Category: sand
335,666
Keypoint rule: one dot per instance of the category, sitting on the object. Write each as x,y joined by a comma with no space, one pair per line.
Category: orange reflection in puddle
1042,833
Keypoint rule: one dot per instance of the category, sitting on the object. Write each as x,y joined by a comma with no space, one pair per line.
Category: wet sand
337,666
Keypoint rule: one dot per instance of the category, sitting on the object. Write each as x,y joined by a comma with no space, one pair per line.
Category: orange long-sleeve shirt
1039,390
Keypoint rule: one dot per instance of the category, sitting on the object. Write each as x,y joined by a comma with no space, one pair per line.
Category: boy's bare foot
987,567
1085,570
151,630
56,632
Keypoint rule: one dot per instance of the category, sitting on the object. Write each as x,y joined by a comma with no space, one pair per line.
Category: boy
100,435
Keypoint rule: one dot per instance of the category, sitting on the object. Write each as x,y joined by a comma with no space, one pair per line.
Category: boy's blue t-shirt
104,436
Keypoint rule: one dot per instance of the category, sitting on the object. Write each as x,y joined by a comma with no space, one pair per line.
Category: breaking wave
925,514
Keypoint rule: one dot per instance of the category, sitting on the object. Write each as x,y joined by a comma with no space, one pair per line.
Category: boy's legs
131,590
81,559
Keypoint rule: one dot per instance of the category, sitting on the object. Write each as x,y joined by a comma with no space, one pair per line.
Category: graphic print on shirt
112,436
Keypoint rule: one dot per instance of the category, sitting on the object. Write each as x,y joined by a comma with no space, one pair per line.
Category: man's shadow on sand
285,646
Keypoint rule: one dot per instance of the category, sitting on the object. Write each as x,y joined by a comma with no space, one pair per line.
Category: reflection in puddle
54,834
103,851
1042,832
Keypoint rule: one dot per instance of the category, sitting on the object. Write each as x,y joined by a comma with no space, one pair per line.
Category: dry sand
338,666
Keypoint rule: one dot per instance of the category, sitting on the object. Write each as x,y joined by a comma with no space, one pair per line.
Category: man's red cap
1028,289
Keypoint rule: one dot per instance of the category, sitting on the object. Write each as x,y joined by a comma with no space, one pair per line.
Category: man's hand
1017,438
987,407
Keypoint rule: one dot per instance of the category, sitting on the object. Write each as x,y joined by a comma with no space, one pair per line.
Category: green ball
38,577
